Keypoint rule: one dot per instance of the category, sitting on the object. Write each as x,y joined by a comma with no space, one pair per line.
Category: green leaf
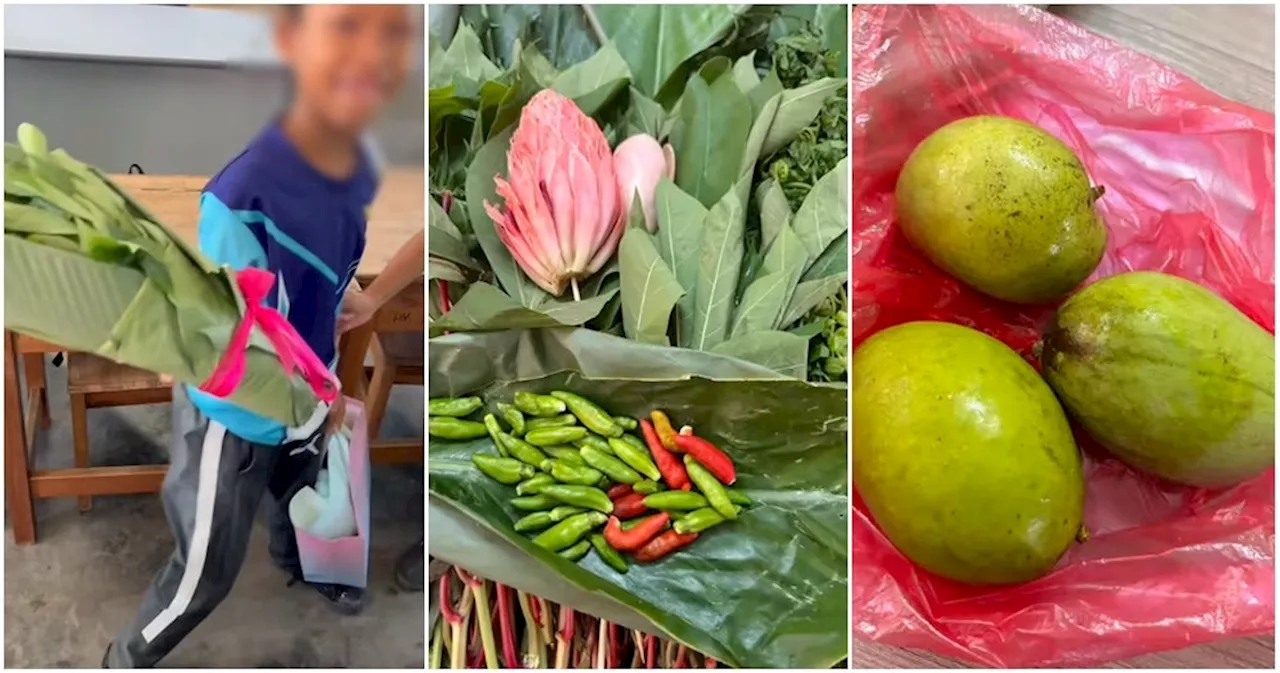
443,238
524,86
798,109
649,289
809,294
710,138
775,212
824,215
761,304
442,269
488,163
834,260
719,261
486,308
786,254
656,39
464,58
680,223
783,352
744,73
645,116
537,64
594,82
768,87
759,132
559,31
771,587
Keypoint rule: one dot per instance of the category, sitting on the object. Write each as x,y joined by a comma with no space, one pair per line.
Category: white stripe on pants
206,493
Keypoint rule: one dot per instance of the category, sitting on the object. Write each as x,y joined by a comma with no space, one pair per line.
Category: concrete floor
66,596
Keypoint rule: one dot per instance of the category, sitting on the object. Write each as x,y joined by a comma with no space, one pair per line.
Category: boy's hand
357,309
337,414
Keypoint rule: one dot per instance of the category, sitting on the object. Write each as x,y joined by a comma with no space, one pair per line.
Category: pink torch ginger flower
640,163
562,220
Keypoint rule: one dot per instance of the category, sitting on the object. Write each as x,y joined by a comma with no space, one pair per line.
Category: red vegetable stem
711,663
446,602
470,579
629,506
662,545
566,622
650,650
681,654
619,490
639,535
602,656
709,456
672,469
614,659
535,610
506,623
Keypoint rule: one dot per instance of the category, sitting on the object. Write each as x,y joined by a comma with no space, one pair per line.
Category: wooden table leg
16,470
352,349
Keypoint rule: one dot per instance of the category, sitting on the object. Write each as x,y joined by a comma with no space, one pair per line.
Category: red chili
619,490
446,602
638,536
713,459
663,544
672,469
629,506
508,627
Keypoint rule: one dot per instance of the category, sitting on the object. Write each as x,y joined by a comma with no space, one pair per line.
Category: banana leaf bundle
768,592
89,269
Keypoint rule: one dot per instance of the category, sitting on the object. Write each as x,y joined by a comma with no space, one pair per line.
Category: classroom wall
118,85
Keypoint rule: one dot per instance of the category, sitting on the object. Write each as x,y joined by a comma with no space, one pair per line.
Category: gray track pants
211,494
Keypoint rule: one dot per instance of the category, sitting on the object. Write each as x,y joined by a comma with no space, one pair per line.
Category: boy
292,202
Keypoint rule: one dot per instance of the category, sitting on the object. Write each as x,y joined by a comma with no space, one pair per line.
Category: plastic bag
343,560
1190,191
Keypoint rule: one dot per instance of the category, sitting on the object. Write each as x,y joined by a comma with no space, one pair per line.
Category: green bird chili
646,486
566,453
711,487
534,485
596,442
535,521
524,451
635,441
698,520
576,552
626,422
637,458
538,405
513,417
534,503
561,421
738,497
456,407
682,500
502,470
588,497
608,554
554,436
568,473
612,467
567,533
448,427
596,419
495,432
565,511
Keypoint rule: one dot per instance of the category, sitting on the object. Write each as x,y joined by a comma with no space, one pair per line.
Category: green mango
962,454
1166,375
1003,206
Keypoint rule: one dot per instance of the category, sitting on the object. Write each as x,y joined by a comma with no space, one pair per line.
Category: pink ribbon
293,351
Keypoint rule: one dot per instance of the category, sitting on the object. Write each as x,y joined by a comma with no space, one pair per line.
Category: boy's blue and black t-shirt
272,210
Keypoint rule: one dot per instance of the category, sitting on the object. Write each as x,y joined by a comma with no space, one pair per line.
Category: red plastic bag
1190,191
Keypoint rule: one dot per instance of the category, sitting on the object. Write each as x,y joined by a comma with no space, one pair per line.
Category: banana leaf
87,268
767,590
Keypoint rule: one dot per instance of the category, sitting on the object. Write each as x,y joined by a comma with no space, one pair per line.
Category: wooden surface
1231,50
397,214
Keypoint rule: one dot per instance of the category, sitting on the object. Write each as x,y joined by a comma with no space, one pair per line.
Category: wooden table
396,216
1230,49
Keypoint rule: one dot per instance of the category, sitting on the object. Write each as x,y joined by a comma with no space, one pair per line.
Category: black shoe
343,600
106,656
410,570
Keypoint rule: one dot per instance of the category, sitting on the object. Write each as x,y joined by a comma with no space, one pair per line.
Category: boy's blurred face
347,60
